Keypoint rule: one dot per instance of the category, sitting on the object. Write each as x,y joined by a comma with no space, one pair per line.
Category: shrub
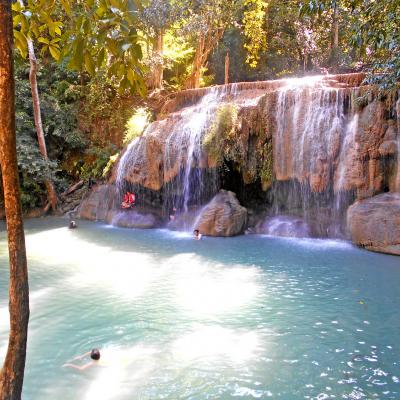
219,141
136,124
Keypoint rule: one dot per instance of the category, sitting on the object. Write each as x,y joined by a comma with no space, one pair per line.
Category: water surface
245,317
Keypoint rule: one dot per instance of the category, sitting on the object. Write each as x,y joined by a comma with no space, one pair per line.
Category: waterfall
183,150
325,152
314,133
180,171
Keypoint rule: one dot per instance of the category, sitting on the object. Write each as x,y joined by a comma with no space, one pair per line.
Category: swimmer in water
72,225
197,234
94,355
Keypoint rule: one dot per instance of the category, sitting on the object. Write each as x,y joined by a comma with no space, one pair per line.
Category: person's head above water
196,232
95,354
72,225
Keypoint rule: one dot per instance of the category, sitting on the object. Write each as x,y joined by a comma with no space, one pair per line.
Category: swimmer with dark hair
94,356
72,225
197,234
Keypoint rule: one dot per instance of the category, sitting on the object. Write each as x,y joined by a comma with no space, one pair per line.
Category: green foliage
77,149
253,22
98,159
59,119
107,169
177,56
91,35
266,170
376,40
101,100
37,21
136,124
220,141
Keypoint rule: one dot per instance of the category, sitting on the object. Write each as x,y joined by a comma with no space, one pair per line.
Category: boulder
374,223
133,219
223,216
99,201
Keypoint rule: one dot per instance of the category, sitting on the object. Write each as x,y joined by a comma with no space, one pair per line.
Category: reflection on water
247,317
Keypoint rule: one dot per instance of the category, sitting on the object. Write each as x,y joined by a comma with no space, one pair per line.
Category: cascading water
185,179
184,146
325,152
314,131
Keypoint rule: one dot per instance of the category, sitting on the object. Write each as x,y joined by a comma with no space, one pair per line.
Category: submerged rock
374,223
222,216
133,219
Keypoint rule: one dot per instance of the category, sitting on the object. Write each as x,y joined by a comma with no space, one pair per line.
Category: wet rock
375,223
223,216
388,147
98,203
133,219
284,225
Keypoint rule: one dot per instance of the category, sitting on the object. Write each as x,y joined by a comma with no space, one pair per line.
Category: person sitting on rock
129,200
197,234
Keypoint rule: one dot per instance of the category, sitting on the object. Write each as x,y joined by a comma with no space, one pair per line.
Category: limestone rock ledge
222,216
374,223
98,203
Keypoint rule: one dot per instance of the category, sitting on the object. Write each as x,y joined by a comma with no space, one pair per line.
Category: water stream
241,318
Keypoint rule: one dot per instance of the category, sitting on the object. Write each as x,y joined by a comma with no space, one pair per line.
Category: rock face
374,223
97,205
102,205
298,124
223,216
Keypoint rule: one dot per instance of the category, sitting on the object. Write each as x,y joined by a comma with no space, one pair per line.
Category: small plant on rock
219,141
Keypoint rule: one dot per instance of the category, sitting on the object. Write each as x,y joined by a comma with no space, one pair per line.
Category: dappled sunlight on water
246,317
214,342
209,288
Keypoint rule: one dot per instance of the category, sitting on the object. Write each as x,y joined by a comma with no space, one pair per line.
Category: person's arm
79,367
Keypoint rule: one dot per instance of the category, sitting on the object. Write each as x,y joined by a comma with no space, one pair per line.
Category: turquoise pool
239,318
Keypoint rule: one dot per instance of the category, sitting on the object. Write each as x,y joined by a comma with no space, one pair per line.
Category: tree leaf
89,64
55,52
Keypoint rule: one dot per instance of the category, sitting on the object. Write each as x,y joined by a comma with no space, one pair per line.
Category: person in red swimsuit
129,200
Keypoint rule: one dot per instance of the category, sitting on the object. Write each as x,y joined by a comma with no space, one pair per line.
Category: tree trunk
12,373
206,43
335,40
227,68
335,28
193,81
51,193
158,73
